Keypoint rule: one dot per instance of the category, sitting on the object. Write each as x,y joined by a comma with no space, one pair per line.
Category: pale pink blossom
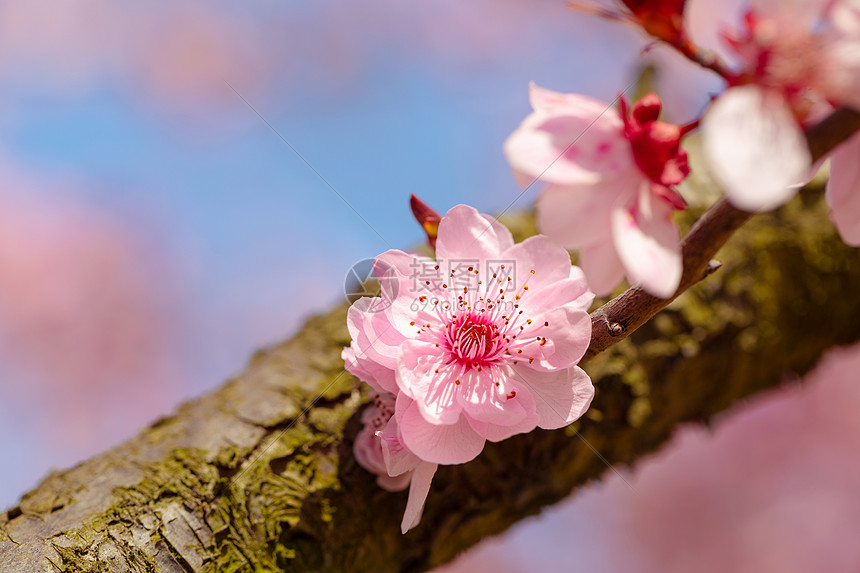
797,59
611,185
479,344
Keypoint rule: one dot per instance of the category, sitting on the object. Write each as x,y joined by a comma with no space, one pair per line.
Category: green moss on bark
259,475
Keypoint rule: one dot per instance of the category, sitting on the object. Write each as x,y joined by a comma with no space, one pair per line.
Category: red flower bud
656,145
426,217
663,19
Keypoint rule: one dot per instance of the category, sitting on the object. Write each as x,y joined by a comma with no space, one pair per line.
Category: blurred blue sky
413,102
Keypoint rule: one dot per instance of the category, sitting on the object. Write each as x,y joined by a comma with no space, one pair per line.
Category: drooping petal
560,397
466,234
397,458
648,243
843,190
602,266
756,150
418,490
442,444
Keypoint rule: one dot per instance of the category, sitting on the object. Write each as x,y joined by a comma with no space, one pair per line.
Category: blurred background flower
154,231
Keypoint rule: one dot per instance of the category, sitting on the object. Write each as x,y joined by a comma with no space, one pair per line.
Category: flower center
473,340
482,324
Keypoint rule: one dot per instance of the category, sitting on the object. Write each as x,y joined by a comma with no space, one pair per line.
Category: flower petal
575,216
418,490
567,333
379,378
843,190
484,397
506,240
495,432
421,375
560,397
442,444
396,457
465,234
570,139
539,262
756,149
602,266
648,243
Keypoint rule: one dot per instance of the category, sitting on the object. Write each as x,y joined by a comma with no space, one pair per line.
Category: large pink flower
611,182
479,344
797,59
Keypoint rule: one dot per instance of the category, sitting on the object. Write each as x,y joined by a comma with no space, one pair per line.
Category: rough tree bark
259,475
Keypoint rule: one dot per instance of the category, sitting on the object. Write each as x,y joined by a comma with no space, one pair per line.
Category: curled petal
755,148
567,334
397,459
418,490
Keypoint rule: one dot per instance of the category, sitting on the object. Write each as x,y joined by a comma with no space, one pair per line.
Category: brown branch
259,474
831,131
622,315
707,59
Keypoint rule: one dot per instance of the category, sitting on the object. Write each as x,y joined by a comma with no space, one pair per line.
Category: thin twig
622,315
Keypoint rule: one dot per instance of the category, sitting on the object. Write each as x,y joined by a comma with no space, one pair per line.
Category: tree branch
259,475
622,315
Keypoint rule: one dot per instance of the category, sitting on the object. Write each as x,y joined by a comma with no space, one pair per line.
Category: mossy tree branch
259,475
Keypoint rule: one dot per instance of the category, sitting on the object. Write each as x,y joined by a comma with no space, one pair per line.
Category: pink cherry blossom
611,185
479,344
796,60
